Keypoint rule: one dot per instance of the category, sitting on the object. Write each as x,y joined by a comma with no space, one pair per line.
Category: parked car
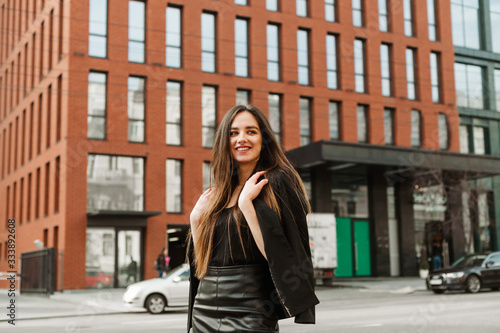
156,294
469,273
97,279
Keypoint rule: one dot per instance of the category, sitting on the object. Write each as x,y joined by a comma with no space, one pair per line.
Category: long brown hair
225,180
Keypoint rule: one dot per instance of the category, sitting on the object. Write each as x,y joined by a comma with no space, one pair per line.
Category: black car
471,272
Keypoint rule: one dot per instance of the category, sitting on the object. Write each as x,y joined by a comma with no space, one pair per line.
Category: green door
344,248
362,248
353,248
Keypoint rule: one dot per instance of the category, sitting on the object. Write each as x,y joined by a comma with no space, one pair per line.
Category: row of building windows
136,111
15,20
29,191
358,13
18,140
17,80
97,47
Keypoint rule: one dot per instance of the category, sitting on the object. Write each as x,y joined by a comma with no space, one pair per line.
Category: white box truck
323,241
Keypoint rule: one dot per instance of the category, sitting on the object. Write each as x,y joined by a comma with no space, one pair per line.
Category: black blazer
286,243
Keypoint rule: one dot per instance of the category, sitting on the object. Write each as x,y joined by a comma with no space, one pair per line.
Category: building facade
108,112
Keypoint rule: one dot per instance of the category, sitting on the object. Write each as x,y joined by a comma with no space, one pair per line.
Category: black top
227,250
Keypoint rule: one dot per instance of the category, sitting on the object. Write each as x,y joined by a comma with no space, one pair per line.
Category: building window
357,13
431,17
174,185
208,115
173,132
273,55
416,129
207,176
305,120
334,117
208,42
136,105
383,16
302,9
359,65
47,189
495,23
469,86
362,115
435,77
136,31
240,2
242,97
474,140
411,74
443,132
385,68
389,126
331,61
37,193
241,47
303,56
115,183
465,136
274,101
497,88
96,104
173,37
480,140
57,184
330,11
465,23
98,28
408,16
272,5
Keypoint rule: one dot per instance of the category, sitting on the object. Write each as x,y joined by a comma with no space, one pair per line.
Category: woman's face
245,139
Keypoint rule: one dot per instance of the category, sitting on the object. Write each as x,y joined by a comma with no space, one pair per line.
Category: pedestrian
131,271
160,263
249,246
167,262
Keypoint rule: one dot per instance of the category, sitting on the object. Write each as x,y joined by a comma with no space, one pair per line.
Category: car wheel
155,303
473,284
438,291
99,285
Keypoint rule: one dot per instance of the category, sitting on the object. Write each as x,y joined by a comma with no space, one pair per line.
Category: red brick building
107,118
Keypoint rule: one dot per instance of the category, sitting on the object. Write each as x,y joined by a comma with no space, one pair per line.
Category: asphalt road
341,310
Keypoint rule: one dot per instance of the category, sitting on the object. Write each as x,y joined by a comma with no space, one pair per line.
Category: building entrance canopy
394,158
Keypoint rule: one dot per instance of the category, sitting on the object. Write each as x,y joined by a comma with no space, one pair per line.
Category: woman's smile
245,139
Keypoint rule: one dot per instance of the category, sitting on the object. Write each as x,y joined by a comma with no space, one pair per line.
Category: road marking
370,325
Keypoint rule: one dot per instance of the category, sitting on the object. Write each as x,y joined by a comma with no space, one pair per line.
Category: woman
160,263
249,247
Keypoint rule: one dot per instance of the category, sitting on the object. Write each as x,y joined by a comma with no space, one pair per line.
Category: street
341,310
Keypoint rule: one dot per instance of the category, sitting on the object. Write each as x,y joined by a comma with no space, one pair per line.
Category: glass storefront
113,257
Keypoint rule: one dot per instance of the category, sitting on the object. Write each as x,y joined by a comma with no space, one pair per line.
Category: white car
156,294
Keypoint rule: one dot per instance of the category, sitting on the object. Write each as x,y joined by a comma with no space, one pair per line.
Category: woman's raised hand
201,207
251,189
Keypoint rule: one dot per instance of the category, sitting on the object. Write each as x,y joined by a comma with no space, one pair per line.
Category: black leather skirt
235,299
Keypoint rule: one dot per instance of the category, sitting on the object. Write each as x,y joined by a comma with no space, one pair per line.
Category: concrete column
377,198
322,190
454,225
404,213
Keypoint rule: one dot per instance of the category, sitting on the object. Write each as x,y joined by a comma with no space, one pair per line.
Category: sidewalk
90,302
